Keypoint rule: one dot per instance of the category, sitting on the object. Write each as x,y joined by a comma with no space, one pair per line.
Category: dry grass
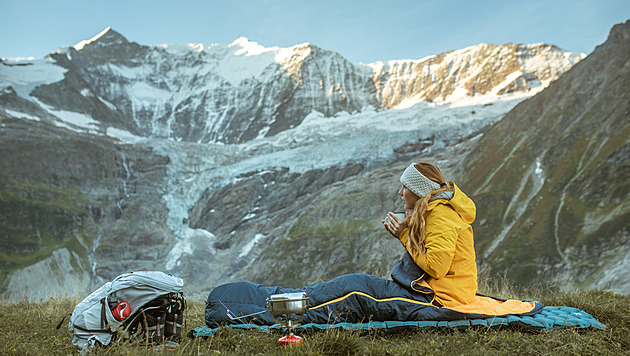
29,329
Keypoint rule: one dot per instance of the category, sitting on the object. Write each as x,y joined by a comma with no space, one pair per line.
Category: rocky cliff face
70,206
228,162
551,178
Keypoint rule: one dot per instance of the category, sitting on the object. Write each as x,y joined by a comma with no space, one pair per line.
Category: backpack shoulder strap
62,319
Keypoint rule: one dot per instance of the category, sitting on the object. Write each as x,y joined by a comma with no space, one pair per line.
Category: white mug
399,214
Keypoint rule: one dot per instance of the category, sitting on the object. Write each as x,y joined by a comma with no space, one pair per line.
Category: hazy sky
360,30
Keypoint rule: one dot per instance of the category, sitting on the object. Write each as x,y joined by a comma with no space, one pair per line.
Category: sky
362,31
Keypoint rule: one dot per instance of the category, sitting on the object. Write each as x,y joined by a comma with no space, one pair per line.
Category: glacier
370,137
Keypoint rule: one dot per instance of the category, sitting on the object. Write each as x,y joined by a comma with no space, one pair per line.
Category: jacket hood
460,202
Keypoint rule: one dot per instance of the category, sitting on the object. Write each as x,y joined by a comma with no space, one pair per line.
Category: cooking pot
280,305
287,304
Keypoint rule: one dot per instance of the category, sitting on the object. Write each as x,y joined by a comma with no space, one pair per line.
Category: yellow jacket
450,257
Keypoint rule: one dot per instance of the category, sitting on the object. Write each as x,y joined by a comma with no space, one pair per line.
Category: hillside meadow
28,328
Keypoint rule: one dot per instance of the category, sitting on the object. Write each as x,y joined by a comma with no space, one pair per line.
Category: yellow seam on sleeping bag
369,296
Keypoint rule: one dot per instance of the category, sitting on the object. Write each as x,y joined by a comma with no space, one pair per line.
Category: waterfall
124,182
91,257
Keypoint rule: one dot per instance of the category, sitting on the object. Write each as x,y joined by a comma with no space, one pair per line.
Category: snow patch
75,120
111,106
71,120
458,93
509,79
249,216
247,248
122,135
21,115
539,172
26,75
406,103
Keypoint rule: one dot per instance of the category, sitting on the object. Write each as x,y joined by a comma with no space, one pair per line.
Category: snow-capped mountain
237,92
198,159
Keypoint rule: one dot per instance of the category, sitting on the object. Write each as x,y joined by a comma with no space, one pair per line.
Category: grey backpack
154,304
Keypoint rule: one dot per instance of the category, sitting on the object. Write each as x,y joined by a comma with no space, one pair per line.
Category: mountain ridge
248,103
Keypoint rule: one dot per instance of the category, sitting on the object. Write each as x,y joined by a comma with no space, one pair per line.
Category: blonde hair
416,222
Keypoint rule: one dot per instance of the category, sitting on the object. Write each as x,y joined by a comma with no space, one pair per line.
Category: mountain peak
241,41
249,48
106,37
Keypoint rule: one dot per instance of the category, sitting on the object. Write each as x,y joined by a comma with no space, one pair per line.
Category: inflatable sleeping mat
361,301
548,318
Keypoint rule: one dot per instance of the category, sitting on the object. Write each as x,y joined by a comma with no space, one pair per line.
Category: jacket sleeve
440,244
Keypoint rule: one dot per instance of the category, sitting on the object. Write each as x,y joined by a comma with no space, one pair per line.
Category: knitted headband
417,182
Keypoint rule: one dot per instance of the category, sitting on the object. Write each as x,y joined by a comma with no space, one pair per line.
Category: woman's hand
394,225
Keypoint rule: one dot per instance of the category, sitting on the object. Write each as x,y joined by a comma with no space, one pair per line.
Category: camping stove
288,309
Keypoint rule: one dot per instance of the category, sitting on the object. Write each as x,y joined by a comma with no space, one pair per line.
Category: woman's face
408,197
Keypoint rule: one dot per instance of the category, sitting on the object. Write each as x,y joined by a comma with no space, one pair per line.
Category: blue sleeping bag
351,298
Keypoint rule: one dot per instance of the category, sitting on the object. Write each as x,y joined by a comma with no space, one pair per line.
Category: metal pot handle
231,315
234,317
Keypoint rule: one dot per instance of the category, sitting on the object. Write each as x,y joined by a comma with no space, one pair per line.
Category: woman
437,233
438,268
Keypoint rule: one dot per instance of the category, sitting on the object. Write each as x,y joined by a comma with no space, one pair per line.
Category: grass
28,328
